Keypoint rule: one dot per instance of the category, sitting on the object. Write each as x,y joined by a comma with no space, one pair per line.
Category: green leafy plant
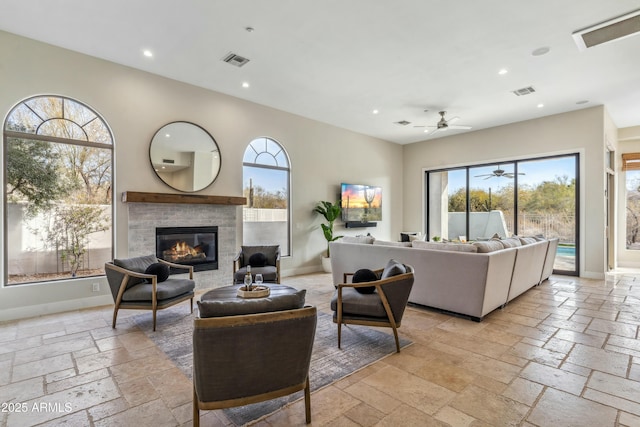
436,238
330,212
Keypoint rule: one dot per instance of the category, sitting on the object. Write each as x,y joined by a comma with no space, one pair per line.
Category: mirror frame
214,145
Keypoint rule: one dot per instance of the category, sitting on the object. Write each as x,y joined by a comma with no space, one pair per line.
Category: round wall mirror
185,156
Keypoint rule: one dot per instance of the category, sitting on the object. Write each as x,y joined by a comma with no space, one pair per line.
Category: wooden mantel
193,199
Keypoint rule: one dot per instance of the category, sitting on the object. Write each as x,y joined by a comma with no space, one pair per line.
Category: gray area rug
361,346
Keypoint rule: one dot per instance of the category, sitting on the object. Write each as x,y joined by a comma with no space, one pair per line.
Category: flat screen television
361,203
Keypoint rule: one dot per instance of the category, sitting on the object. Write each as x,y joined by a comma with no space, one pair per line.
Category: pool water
566,250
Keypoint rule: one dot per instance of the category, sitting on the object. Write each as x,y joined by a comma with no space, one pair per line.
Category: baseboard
54,307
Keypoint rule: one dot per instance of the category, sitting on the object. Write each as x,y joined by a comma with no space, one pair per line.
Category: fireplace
196,246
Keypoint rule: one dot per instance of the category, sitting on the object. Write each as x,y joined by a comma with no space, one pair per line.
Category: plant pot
326,264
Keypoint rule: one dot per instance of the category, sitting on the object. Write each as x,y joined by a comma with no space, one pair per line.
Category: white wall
136,104
579,131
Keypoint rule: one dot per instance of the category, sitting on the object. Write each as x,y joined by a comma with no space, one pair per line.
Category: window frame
36,136
276,167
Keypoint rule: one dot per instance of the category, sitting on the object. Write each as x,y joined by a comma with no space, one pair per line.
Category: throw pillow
258,260
158,269
393,268
362,276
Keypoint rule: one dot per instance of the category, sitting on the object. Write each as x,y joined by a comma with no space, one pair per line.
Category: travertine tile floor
566,353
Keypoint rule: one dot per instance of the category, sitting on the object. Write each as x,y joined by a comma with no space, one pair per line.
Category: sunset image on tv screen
361,203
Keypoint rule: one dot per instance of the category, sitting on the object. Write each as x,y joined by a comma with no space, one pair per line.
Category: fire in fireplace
197,246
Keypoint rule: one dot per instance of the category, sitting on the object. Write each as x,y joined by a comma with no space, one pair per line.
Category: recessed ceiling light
503,71
147,53
245,84
540,51
584,101
540,105
375,111
250,29
167,135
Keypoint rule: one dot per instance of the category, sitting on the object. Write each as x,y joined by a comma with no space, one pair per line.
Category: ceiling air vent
524,91
234,59
403,123
608,31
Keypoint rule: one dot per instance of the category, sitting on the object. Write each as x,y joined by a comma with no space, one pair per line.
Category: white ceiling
336,61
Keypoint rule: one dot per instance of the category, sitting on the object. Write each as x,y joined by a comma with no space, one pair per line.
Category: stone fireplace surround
146,211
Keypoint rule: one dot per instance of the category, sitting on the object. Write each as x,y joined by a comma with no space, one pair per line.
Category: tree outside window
58,190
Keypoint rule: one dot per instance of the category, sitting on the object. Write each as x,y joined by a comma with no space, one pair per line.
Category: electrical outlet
96,287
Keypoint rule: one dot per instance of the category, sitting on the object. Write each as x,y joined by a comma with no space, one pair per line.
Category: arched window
266,176
58,156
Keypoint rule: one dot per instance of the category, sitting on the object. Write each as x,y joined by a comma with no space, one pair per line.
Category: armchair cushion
137,264
365,275
269,273
160,270
270,252
213,308
355,303
165,290
393,268
258,260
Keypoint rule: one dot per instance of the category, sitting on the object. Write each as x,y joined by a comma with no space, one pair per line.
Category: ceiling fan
499,173
444,124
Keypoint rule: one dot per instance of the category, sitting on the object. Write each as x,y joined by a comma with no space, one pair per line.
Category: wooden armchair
384,307
269,266
243,359
132,288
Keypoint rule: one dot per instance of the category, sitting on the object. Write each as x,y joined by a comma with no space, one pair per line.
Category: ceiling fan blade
419,126
453,119
433,131
490,176
460,127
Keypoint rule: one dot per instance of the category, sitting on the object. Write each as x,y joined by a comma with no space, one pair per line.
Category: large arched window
266,175
58,156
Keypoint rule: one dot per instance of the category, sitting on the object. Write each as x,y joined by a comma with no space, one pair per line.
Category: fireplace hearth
196,246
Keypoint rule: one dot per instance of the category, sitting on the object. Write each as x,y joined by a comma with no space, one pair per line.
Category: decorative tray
255,292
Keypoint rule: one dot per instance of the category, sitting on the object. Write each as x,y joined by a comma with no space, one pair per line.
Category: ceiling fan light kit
444,124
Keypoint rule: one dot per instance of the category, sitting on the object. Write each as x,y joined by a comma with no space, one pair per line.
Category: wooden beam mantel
193,199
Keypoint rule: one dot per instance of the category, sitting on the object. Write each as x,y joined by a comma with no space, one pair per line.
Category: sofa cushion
364,275
419,236
137,264
388,243
160,270
405,236
527,240
213,308
511,242
168,289
368,240
488,246
455,247
393,268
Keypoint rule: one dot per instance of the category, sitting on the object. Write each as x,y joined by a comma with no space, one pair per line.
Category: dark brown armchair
263,259
132,288
238,360
383,307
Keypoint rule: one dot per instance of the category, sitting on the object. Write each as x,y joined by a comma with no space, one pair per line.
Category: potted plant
330,212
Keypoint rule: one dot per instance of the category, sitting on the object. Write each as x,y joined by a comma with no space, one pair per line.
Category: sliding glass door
524,197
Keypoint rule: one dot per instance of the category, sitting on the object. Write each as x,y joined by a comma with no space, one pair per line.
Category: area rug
361,346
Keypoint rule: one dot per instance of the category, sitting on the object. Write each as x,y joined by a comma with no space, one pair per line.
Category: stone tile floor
566,353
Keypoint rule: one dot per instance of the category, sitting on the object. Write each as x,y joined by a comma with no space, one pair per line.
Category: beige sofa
452,277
